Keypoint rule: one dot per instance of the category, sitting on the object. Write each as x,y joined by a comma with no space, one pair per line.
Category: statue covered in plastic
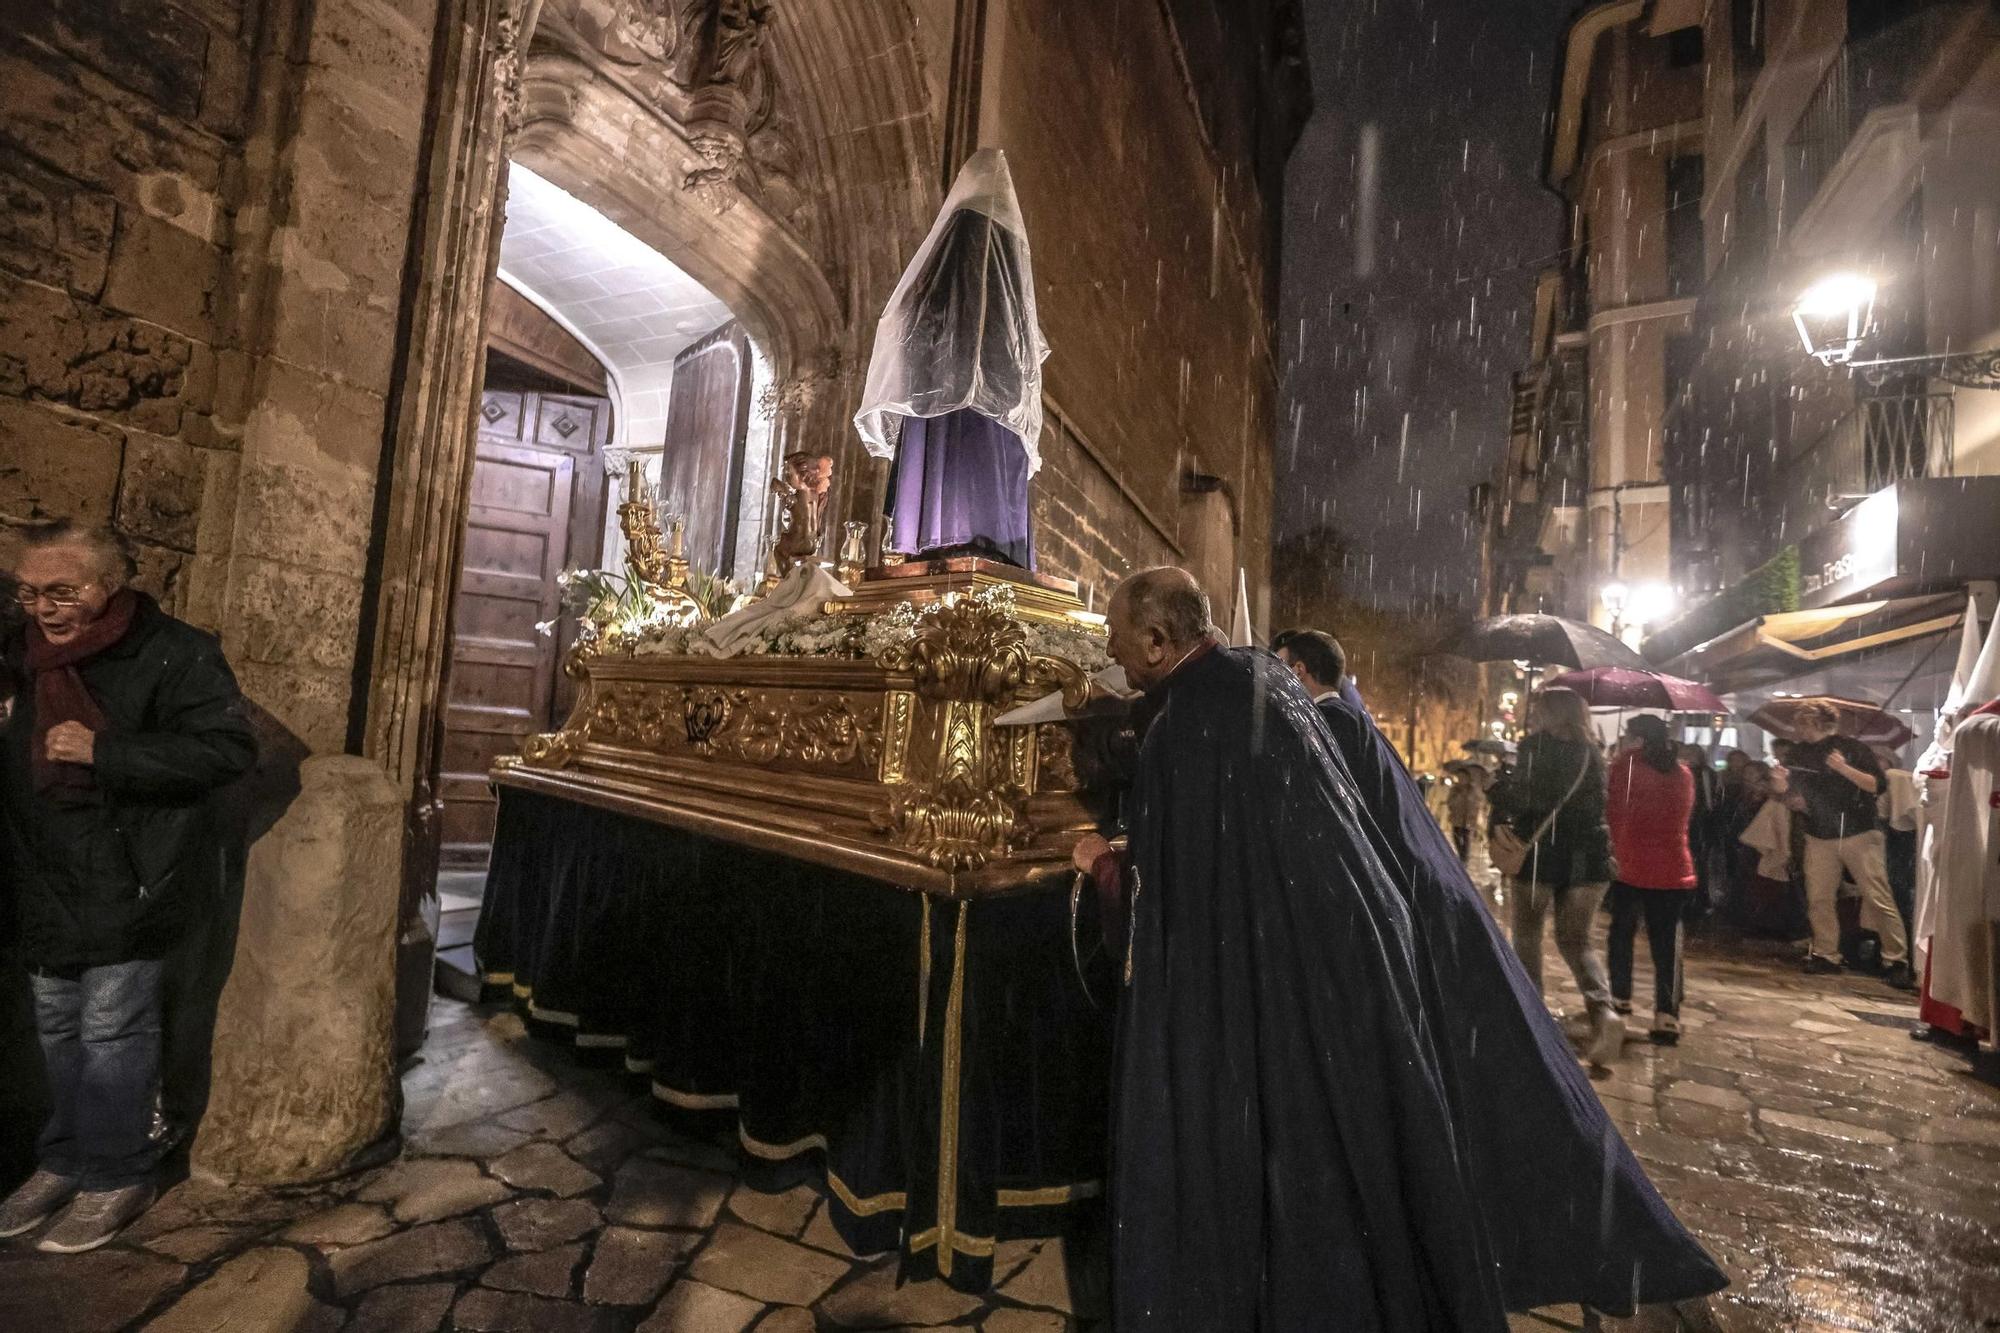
954,388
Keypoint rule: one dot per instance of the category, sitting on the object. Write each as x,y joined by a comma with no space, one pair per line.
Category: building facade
248,265
1674,443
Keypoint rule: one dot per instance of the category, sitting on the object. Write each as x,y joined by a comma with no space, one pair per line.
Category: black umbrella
1545,639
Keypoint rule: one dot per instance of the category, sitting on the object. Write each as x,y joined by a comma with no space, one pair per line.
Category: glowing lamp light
1614,595
1833,316
1651,603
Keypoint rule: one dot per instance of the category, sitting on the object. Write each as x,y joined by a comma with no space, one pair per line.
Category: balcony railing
1881,441
1820,136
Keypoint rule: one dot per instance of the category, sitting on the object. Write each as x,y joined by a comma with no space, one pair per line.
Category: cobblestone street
1846,1176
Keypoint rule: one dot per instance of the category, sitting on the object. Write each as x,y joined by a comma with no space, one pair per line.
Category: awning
1850,650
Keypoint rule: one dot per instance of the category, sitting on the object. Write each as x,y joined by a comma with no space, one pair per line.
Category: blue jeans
100,1034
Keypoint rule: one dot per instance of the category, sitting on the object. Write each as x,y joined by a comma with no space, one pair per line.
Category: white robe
1962,899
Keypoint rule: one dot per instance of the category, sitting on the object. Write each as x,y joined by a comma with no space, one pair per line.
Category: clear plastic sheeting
961,330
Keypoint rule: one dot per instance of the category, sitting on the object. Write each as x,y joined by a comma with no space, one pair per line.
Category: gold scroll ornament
965,797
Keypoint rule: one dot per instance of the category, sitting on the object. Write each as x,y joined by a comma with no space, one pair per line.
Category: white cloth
960,330
1240,633
1964,898
1770,836
799,594
1932,788
1898,801
1049,708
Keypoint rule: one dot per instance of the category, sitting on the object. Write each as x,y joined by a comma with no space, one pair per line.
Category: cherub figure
802,518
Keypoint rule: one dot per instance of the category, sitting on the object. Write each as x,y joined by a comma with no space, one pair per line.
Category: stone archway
731,135
581,134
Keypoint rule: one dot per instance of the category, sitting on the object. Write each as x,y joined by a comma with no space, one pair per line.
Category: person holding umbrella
1834,782
1649,804
1555,806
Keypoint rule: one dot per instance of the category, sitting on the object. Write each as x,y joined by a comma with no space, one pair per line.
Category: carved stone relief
708,66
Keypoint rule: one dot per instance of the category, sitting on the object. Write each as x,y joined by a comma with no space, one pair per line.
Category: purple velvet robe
959,486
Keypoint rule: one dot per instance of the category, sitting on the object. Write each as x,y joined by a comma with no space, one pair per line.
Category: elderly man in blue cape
1337,1103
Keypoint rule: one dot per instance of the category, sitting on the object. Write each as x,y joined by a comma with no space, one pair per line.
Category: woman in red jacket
1650,799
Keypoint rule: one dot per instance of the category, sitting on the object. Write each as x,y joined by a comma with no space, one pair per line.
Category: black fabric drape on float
937,1064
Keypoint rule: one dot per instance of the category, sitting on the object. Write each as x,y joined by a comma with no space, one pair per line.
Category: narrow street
1844,1174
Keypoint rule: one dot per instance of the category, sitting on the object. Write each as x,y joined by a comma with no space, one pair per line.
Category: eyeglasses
62,595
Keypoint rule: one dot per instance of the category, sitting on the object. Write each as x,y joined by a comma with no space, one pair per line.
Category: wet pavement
1845,1175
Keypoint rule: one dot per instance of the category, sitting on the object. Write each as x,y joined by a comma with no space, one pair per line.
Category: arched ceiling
625,301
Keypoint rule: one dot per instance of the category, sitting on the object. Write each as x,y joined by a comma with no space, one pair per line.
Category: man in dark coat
1289,1146
126,725
1568,1209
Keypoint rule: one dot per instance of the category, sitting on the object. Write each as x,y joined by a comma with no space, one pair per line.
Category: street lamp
1834,317
1635,608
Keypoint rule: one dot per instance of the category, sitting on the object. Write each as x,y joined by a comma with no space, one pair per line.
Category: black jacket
1577,847
115,880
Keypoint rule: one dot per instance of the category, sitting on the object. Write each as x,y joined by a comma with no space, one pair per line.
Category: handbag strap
1542,828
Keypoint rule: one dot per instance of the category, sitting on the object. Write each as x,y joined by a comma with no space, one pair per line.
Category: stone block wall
201,268
1086,528
121,135
1150,248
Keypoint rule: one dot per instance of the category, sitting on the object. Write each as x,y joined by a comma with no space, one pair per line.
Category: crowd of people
1817,845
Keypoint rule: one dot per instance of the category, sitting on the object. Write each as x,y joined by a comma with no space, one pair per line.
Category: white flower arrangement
861,638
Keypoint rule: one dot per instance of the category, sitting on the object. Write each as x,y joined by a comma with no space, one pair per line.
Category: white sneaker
1607,1035
30,1205
95,1216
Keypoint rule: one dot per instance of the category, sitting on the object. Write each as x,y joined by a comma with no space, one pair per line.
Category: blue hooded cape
1303,1135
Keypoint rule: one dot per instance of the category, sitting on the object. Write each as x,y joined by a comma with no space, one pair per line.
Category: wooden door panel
573,423
500,551
484,686
503,673
501,416
487,619
701,467
520,486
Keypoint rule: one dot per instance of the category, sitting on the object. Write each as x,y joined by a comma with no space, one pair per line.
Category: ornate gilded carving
899,709
1055,760
802,490
972,650
705,713
656,558
808,729
803,728
957,826
952,791
965,801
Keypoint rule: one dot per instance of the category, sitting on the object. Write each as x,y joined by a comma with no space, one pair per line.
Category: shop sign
1852,555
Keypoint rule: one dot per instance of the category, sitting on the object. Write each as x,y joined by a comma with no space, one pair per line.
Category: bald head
1158,616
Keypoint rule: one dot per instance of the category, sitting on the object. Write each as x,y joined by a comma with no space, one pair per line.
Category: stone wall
1151,260
1085,527
201,267
121,132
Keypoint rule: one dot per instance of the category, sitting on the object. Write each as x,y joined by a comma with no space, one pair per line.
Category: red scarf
61,696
